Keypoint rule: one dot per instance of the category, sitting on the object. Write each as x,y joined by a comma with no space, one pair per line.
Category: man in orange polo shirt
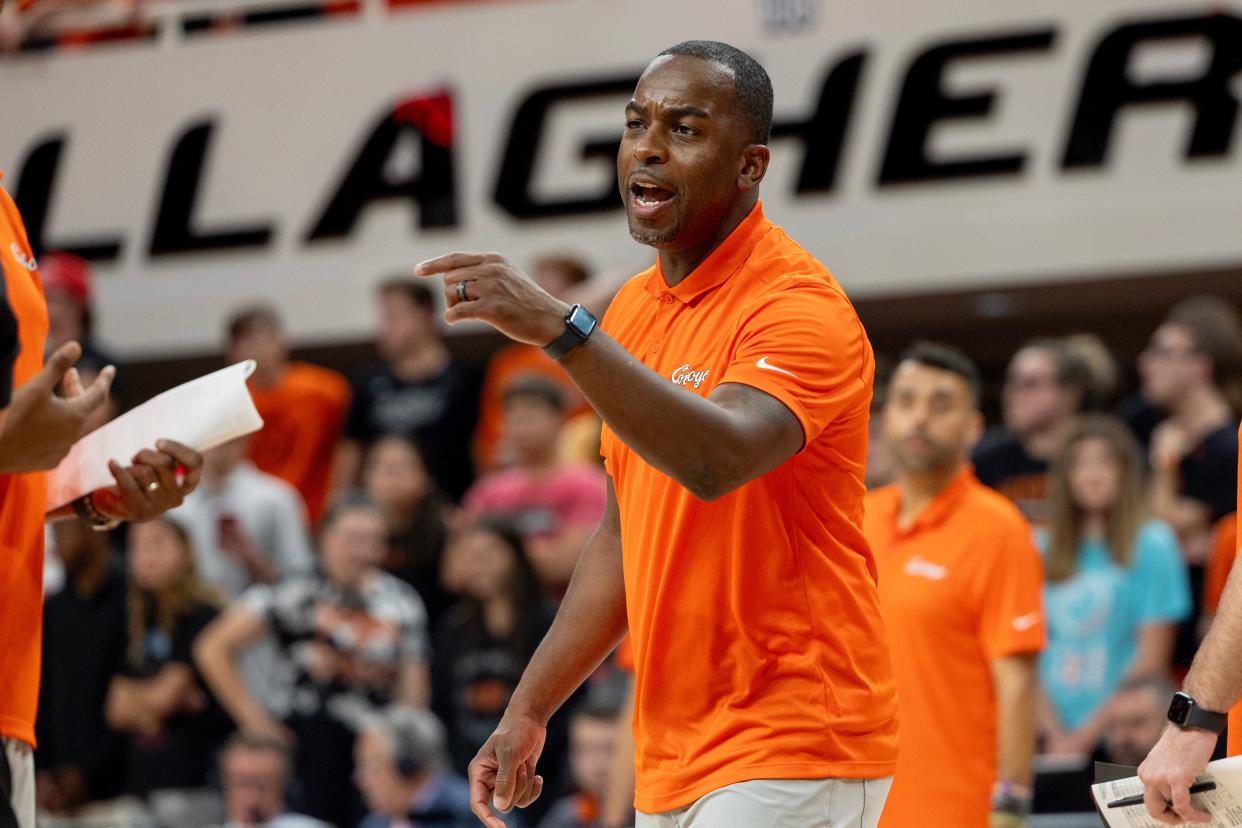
38,430
1198,714
960,588
303,407
734,381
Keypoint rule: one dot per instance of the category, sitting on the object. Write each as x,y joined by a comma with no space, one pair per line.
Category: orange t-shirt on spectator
302,419
508,364
960,587
23,501
754,619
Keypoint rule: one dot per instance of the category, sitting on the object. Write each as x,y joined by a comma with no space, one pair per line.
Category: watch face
1179,709
581,321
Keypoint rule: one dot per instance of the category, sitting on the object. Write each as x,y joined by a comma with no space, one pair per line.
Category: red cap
68,274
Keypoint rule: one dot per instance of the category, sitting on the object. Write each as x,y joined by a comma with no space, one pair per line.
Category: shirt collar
720,264
942,505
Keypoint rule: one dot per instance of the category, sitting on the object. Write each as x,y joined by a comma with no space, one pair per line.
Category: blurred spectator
592,746
556,505
1101,365
80,758
558,275
1116,584
419,391
880,468
1194,453
401,763
397,480
174,724
353,638
255,774
248,527
1045,386
487,639
303,407
1136,716
68,285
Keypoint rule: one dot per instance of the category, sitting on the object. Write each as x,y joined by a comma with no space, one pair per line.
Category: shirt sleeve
1011,618
261,600
1162,583
805,346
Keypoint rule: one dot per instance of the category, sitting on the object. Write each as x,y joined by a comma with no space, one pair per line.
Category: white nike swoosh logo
767,366
1025,622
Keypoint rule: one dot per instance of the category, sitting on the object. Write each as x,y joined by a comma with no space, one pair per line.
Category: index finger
187,458
449,261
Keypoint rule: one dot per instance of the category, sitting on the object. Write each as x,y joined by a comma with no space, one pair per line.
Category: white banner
923,146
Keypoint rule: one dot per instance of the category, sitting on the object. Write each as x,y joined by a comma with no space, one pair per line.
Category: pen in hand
1137,799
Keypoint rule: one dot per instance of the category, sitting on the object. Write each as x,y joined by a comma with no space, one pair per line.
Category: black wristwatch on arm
579,325
1186,713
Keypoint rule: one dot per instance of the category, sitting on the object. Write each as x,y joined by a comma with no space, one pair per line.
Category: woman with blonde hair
158,698
1116,585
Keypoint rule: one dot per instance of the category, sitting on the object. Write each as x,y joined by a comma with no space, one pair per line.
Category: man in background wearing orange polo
303,407
960,588
734,381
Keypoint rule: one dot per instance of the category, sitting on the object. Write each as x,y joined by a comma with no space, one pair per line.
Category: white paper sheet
1223,803
201,414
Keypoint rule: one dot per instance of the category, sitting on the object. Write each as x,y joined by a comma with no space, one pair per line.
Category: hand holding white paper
201,414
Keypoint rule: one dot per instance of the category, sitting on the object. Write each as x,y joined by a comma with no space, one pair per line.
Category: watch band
1185,712
579,325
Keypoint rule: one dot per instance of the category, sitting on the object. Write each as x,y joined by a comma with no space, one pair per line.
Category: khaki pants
781,803
17,784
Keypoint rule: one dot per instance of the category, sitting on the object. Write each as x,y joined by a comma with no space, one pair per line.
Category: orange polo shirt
302,420
754,619
960,587
22,501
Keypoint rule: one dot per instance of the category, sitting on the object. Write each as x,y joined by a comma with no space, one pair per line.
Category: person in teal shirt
1116,584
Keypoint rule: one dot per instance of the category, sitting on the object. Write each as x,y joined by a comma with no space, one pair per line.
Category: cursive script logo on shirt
685,376
25,260
925,569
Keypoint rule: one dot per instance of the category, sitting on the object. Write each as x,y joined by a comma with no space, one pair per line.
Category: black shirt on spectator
183,753
1003,464
437,413
83,639
1209,473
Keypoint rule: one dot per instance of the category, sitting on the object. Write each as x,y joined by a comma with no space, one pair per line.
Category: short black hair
418,294
1071,369
946,358
752,88
248,319
535,387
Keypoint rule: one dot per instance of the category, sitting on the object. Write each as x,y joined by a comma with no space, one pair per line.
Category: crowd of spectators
329,628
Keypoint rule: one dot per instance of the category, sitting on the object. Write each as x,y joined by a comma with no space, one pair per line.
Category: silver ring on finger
461,292
153,486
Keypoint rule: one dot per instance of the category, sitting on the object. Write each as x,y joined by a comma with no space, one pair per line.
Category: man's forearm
1215,679
693,440
1016,714
587,627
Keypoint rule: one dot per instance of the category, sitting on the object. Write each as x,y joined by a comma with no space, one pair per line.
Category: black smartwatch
1185,712
579,325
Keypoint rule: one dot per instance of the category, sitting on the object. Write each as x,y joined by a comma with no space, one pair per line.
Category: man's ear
755,160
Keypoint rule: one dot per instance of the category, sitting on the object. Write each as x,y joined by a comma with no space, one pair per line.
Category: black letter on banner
174,232
429,118
33,197
923,104
517,170
823,133
1107,88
